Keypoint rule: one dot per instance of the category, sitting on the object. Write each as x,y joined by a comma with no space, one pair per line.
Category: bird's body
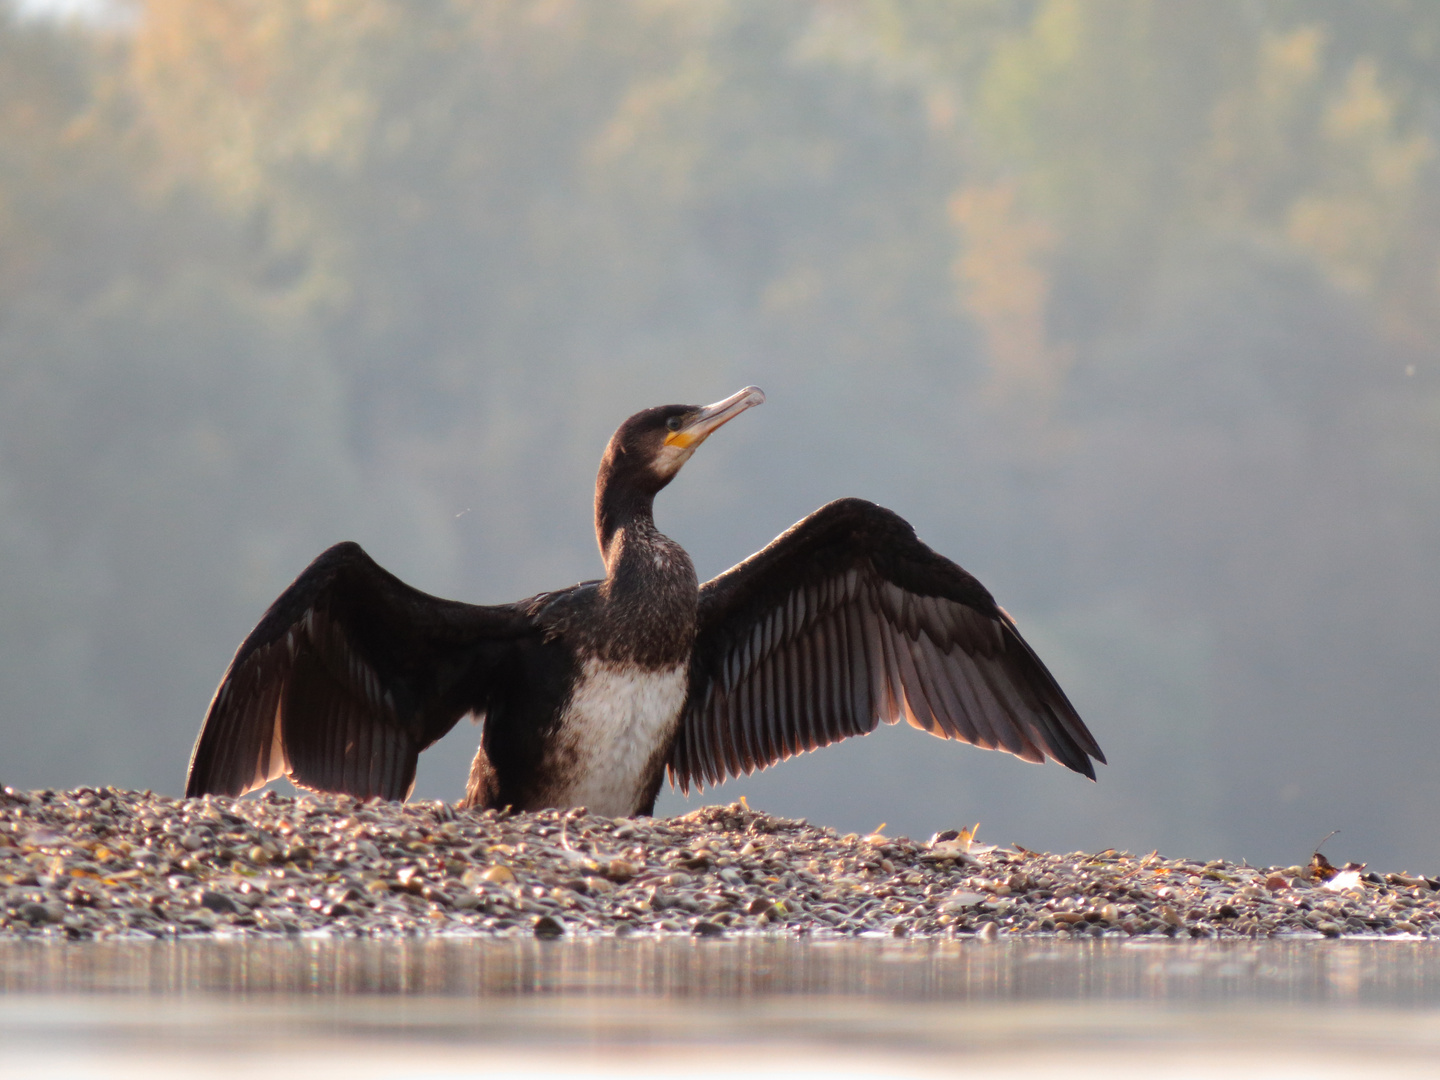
622,647
589,694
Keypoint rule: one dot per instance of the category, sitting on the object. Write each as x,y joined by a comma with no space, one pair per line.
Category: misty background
1130,306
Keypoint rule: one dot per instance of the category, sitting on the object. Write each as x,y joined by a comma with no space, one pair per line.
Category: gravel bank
89,864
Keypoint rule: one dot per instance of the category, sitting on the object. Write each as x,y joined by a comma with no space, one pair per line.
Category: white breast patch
617,718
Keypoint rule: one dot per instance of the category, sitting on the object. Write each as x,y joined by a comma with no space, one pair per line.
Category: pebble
547,926
91,864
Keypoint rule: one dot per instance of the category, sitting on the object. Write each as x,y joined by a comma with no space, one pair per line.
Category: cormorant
590,694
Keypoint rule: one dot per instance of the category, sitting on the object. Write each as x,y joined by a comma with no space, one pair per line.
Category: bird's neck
650,588
636,553
651,593
622,515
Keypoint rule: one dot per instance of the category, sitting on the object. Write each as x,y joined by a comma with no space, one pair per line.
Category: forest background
1131,306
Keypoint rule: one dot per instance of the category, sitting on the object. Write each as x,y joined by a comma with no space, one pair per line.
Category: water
757,1007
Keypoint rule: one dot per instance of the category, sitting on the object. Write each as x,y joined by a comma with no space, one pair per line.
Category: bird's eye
673,423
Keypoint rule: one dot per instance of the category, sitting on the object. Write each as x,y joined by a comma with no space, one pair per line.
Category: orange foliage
1005,286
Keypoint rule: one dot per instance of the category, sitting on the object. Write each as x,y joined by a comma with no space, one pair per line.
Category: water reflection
1391,973
1323,1003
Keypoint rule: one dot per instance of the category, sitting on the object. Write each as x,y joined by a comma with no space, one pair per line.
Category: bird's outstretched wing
349,675
847,619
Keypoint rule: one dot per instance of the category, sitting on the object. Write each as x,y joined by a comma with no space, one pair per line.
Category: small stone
962,900
547,926
365,848
218,902
36,913
704,928
499,873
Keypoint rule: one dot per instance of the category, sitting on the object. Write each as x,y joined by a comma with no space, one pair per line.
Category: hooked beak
698,427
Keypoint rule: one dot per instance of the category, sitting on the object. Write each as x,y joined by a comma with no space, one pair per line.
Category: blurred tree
1129,304
141,371
468,198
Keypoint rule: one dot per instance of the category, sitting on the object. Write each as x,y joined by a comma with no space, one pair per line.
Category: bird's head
648,449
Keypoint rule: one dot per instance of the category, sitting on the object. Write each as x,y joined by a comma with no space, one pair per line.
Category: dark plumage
588,695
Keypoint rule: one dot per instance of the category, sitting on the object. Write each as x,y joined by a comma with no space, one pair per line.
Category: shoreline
109,864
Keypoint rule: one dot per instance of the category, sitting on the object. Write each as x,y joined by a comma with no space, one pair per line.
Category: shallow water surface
452,1008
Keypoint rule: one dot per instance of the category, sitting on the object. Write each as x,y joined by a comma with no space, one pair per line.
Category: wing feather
933,673
917,705
847,620
778,734
347,677
863,713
